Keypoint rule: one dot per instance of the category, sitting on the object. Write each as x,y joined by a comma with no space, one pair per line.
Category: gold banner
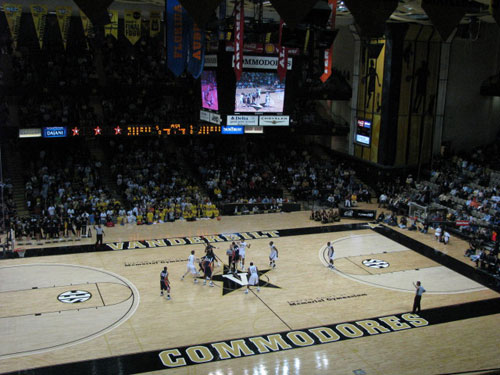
86,24
112,28
132,22
13,14
63,19
154,24
39,14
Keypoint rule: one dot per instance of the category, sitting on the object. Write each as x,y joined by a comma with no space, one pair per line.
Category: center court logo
233,281
74,296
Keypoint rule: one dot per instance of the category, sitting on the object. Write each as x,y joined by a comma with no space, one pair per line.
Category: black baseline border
150,361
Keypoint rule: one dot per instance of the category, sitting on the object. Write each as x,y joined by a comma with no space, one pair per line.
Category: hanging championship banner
86,24
39,14
87,27
132,23
177,37
63,19
306,43
154,23
327,72
112,28
196,55
13,14
282,57
239,25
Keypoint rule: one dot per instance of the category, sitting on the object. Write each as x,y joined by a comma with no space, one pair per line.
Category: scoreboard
171,129
145,130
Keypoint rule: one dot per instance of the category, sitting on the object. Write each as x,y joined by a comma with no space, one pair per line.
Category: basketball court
101,312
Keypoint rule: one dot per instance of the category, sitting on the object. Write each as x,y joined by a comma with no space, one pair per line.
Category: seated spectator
425,228
402,222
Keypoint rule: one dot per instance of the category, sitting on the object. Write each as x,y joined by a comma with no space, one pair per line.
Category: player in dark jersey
164,282
208,265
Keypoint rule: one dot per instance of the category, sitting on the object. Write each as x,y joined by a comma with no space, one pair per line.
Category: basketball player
191,267
231,252
236,257
242,249
253,277
267,103
331,254
208,265
164,283
273,255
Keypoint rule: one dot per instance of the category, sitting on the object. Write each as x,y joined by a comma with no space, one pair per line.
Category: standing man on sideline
99,232
418,296
273,255
164,283
253,277
331,254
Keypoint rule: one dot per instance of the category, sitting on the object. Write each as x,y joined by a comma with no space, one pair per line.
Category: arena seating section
71,183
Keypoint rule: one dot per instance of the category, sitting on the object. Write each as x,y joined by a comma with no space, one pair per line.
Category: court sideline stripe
90,248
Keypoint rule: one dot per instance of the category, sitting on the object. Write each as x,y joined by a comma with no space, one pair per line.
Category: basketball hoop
20,251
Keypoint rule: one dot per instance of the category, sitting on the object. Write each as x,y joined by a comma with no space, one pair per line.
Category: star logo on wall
234,281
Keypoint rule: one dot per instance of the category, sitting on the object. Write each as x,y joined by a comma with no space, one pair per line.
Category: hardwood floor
121,324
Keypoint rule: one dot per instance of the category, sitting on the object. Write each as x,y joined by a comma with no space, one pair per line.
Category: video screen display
363,139
259,92
363,132
209,98
364,124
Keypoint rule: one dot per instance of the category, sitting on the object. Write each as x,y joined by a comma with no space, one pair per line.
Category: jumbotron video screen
209,98
259,92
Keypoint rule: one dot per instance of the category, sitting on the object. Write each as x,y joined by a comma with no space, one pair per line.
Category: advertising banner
242,120
54,132
196,54
274,120
177,43
154,23
232,130
282,57
132,24
354,213
112,28
239,25
264,62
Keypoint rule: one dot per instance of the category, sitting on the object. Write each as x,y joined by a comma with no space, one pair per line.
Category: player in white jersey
191,267
331,254
242,249
273,255
253,277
